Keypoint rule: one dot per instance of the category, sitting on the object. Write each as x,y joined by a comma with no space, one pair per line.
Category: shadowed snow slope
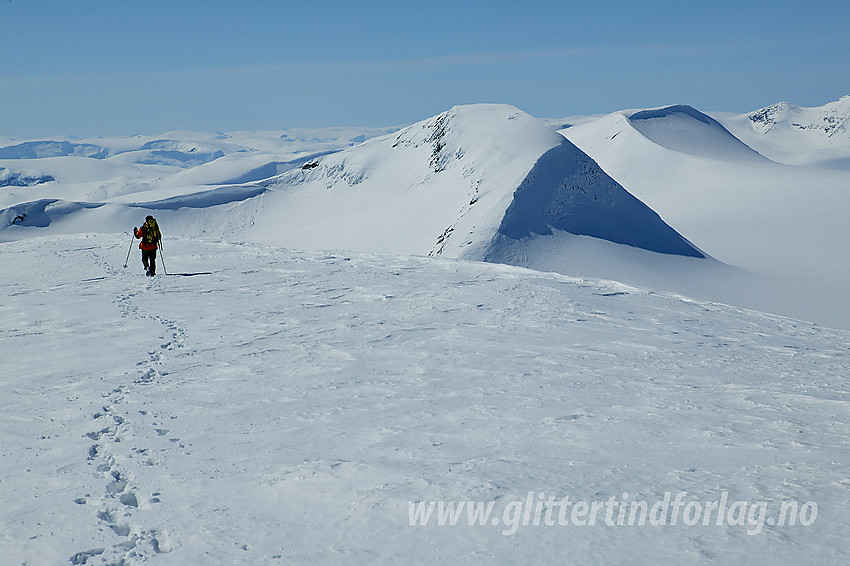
461,184
683,128
567,191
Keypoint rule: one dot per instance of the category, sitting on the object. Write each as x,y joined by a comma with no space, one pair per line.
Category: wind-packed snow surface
267,406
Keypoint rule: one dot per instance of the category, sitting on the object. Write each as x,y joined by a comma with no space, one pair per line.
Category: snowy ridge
41,149
460,185
686,129
10,179
103,169
197,182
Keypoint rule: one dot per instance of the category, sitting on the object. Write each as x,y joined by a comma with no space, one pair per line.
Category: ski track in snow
285,408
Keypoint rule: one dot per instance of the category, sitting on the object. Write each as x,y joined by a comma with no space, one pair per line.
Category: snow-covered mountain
829,120
686,129
796,135
467,183
483,182
785,224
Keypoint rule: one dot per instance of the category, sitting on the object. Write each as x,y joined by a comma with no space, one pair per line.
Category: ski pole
164,269
128,252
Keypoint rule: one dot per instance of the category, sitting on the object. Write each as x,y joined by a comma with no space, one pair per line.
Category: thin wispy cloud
455,60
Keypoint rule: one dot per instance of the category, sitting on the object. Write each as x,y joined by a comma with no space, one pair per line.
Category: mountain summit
830,120
466,183
686,129
797,135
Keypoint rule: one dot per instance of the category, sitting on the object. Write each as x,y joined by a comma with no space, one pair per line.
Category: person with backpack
150,236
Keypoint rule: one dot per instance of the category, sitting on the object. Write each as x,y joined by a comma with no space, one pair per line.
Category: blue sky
91,67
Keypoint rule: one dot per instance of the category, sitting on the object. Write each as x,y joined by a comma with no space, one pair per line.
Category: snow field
286,407
269,406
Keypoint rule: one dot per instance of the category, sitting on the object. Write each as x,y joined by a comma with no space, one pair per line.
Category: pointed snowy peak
494,132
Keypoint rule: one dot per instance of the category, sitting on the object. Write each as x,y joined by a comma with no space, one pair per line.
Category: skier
150,236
